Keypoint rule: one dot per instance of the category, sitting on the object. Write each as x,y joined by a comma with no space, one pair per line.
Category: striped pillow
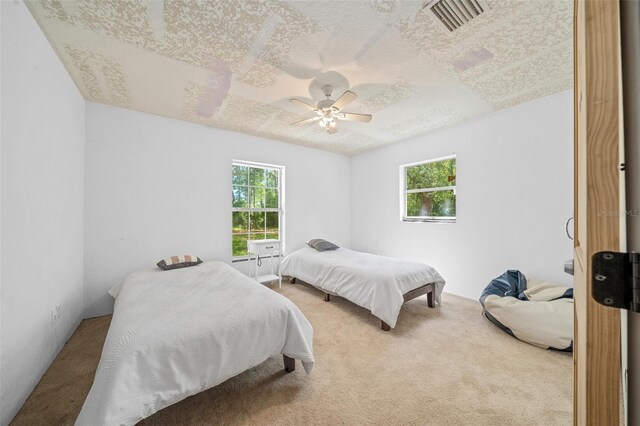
175,262
321,245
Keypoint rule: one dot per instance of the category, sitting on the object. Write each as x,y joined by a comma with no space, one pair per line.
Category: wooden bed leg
289,363
292,280
431,299
384,326
327,297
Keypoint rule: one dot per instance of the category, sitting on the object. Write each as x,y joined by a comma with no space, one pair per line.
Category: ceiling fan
329,111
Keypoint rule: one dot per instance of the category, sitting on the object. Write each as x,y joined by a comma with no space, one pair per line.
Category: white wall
514,194
42,159
157,187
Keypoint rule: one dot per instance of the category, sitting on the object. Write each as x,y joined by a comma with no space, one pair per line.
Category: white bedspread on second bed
176,333
377,283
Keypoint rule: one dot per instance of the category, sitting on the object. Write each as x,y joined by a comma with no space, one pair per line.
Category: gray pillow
322,245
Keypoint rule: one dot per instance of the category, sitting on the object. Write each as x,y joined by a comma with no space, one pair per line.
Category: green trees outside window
430,190
255,205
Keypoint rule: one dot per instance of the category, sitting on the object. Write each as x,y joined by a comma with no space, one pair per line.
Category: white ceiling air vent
453,14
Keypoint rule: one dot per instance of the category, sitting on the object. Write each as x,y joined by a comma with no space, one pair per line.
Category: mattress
176,333
377,283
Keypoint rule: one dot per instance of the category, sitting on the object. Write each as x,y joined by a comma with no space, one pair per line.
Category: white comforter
377,283
176,333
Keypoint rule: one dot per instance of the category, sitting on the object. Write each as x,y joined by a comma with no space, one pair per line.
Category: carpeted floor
442,366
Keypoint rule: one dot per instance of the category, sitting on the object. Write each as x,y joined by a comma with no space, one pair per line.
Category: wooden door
598,225
630,41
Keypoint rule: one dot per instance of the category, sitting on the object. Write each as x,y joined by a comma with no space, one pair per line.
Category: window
256,204
429,190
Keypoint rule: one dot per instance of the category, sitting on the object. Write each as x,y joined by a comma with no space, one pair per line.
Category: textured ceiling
234,64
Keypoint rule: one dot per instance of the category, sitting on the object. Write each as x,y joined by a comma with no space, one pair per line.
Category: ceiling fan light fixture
328,111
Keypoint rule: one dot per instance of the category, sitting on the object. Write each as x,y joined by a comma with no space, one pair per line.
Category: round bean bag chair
536,312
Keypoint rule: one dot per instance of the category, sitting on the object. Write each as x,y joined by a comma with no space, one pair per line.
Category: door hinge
616,280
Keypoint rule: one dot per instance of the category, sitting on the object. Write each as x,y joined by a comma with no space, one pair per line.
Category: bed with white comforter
176,333
377,283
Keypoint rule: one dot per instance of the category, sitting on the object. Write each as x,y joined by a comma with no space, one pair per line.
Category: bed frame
428,289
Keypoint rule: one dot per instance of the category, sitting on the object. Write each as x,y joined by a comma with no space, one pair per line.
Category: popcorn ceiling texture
234,64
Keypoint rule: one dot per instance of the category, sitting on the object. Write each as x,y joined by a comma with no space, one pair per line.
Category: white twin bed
378,283
177,333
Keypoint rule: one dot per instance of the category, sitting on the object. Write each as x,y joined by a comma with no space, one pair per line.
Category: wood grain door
598,201
630,46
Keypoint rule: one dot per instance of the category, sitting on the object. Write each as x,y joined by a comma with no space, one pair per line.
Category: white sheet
176,333
377,283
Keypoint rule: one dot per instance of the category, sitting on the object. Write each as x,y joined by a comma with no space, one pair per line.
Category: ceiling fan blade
306,120
349,116
344,100
303,104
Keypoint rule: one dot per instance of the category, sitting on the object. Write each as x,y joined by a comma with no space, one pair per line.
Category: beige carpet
442,366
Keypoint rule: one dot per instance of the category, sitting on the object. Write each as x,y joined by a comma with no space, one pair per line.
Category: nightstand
260,249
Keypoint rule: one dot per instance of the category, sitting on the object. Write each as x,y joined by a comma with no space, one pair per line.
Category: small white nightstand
259,248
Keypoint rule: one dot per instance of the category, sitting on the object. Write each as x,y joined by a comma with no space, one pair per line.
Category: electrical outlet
55,315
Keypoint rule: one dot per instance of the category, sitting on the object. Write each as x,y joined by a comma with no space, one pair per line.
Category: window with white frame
429,190
256,204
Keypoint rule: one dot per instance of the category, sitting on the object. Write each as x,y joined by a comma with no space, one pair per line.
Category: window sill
428,220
